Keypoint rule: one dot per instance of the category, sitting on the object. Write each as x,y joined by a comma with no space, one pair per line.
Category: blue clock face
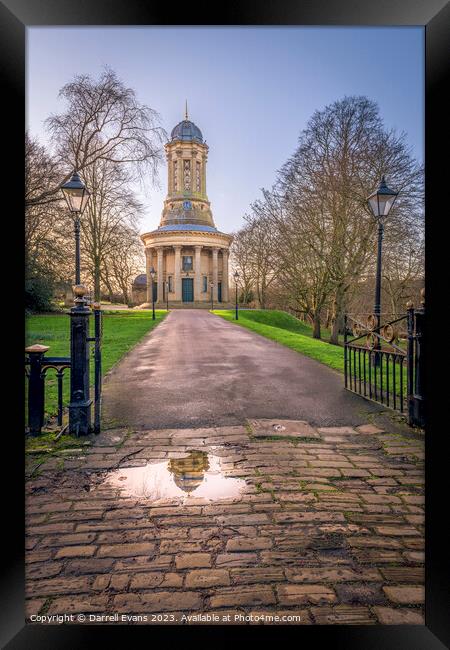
187,205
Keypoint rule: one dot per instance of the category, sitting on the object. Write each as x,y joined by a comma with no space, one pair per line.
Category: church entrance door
219,292
188,289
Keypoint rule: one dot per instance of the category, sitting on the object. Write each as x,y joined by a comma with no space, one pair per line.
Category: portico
176,262
187,252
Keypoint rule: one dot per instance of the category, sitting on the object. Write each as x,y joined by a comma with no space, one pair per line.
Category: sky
251,91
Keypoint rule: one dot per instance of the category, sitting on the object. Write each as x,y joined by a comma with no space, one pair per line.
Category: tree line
308,244
115,143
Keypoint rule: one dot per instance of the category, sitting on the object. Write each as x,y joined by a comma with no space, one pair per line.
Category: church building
187,252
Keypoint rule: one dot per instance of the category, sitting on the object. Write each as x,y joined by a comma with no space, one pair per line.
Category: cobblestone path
329,528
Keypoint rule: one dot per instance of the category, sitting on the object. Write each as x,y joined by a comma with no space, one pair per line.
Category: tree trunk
337,316
97,280
316,325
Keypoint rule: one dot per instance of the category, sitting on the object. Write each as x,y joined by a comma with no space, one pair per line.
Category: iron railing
383,366
36,367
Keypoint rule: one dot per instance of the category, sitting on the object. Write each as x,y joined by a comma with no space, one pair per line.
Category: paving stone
397,531
59,585
236,559
243,596
76,605
207,578
399,616
247,544
334,510
342,615
142,563
257,575
361,594
91,566
68,540
160,601
369,429
192,560
305,594
45,570
76,551
126,550
332,575
150,580
337,430
408,595
264,428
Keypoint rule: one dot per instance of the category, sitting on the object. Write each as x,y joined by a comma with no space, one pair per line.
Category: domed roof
186,130
140,280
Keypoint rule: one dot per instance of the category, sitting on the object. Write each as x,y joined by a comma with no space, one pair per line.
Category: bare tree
111,212
103,121
47,240
341,156
124,260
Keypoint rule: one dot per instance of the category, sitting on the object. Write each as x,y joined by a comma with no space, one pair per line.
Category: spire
186,112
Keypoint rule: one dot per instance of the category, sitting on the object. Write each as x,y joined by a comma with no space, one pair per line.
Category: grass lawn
121,332
288,330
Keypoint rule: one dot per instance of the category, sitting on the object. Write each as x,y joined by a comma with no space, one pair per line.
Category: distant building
139,289
187,251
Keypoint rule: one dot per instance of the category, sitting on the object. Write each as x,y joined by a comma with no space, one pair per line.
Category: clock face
187,205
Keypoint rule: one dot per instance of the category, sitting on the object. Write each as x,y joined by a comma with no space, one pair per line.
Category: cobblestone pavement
329,528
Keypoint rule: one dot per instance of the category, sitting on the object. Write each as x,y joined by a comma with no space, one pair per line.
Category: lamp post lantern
380,203
212,295
76,195
236,278
152,275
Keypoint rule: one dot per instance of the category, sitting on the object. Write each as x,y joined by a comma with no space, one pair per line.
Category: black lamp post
236,278
152,275
212,295
380,202
76,195
167,296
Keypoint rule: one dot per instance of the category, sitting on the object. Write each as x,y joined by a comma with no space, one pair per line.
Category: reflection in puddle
197,475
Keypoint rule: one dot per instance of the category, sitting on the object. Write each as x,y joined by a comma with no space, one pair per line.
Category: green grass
121,332
289,331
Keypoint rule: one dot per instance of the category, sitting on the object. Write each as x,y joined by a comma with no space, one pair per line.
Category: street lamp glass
382,200
236,276
152,273
75,193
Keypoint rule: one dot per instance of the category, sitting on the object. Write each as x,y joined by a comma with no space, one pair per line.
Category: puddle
198,474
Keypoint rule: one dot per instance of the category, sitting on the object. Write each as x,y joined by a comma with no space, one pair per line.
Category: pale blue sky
250,90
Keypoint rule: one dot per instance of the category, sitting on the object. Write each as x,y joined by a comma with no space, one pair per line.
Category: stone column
148,266
225,292
197,274
203,172
177,272
160,274
215,275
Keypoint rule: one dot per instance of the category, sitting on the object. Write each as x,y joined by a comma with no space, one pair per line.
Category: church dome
186,130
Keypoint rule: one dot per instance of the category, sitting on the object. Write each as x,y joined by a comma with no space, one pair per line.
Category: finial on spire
186,112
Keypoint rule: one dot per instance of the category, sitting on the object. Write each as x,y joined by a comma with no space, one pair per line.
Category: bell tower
187,154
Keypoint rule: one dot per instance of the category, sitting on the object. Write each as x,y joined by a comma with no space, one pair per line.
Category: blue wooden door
188,289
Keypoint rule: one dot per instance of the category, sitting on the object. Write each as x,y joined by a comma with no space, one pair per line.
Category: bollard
419,361
36,388
80,402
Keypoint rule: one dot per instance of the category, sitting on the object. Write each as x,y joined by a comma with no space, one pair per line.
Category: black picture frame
434,15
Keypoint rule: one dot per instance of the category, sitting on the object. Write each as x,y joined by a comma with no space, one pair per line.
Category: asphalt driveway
196,369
